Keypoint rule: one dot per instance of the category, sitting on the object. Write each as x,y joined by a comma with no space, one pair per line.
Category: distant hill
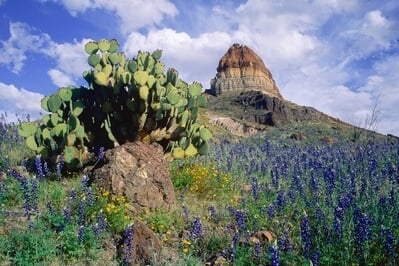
244,100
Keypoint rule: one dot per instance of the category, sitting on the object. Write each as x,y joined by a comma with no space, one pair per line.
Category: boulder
140,172
144,246
241,69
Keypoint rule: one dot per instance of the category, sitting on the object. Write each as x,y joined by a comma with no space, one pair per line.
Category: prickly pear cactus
125,100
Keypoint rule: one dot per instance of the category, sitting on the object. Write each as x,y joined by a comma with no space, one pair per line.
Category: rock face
241,69
139,172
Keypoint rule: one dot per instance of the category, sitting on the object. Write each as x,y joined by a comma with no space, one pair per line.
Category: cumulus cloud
17,102
133,14
23,39
71,61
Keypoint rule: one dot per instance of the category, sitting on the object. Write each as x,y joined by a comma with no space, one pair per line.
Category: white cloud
71,60
59,78
133,14
19,102
22,40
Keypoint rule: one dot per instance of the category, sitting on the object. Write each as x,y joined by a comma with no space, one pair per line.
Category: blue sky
339,56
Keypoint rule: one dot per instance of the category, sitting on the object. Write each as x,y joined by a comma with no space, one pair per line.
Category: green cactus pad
143,92
205,134
157,54
204,148
190,151
54,103
173,98
44,103
80,132
104,45
201,101
159,68
27,129
93,60
91,48
113,46
132,66
55,119
77,108
195,89
71,139
107,69
140,77
46,134
31,143
114,58
65,94
100,78
60,129
73,123
151,81
178,153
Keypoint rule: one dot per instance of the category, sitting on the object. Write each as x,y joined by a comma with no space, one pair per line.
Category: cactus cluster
125,100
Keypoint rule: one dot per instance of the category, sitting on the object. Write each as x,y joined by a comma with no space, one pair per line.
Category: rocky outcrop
241,69
139,172
246,112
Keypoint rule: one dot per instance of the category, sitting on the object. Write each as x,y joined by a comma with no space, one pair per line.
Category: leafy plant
126,100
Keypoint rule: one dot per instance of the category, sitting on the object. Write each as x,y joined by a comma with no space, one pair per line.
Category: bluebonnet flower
39,168
305,234
270,211
360,232
46,171
82,211
388,240
34,195
255,189
280,200
90,196
100,154
101,220
67,214
128,244
73,195
84,183
257,250
274,256
196,229
315,259
59,166
240,217
81,234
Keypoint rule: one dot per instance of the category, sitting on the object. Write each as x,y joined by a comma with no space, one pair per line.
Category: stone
241,69
140,172
145,245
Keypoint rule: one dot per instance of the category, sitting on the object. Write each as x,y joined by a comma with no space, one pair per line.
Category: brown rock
145,244
140,172
241,69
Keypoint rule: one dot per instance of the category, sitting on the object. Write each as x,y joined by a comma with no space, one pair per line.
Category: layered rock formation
241,69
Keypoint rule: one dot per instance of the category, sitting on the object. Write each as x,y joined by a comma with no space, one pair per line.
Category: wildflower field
257,201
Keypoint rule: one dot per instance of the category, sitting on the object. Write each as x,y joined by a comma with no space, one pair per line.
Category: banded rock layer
241,69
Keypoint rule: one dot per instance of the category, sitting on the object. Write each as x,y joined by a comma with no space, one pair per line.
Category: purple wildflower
39,168
81,233
100,154
274,256
305,233
196,229
128,244
255,189
257,250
